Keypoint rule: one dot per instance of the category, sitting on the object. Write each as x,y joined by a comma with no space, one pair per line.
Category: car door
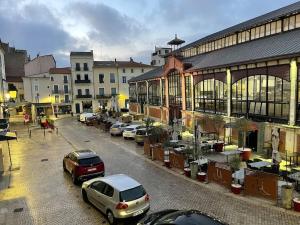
107,197
94,193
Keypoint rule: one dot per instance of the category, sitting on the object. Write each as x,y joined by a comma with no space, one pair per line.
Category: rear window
132,194
129,129
89,161
141,132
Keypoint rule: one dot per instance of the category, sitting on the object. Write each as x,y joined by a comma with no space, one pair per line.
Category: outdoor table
293,156
295,177
260,164
228,153
201,161
239,176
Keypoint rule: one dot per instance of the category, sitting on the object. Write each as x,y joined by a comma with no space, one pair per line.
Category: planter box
176,160
287,195
167,163
158,152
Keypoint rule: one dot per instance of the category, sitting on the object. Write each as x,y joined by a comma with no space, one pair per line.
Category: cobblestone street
48,196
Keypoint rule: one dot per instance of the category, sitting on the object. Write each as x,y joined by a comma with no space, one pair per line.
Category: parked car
179,217
118,196
83,165
117,128
140,136
85,115
129,131
91,119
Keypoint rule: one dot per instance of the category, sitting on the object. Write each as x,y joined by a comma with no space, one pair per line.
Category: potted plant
167,146
287,196
235,166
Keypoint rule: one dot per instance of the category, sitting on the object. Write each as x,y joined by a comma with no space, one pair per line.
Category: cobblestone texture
49,197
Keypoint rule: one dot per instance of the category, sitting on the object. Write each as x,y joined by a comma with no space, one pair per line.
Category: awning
8,136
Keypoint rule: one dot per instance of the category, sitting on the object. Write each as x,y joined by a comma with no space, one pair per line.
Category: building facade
61,90
102,84
249,70
158,57
3,84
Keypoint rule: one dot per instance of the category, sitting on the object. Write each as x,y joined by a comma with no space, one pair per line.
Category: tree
218,124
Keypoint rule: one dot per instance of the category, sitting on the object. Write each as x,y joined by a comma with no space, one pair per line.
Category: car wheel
84,196
110,217
64,167
74,178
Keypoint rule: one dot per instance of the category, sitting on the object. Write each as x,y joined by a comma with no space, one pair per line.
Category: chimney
131,60
115,60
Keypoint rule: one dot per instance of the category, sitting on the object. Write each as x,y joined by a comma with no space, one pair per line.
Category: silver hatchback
118,196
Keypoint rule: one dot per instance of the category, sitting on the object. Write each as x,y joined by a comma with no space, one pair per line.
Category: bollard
56,130
29,133
44,132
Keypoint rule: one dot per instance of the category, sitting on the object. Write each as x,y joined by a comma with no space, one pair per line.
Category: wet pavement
45,195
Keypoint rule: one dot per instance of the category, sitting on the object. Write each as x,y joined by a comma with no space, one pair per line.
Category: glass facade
142,92
174,86
261,97
163,92
154,92
132,93
211,96
188,93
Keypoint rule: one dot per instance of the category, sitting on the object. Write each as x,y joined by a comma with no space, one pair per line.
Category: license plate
114,129
92,169
138,213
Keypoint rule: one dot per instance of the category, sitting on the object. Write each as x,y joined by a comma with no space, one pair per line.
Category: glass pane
278,88
273,27
257,108
268,29
244,89
298,20
285,24
271,109
292,23
271,88
263,87
251,89
286,91
278,110
252,106
285,110
263,110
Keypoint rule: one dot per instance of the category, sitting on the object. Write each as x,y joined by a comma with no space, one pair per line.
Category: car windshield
115,126
140,132
89,161
132,194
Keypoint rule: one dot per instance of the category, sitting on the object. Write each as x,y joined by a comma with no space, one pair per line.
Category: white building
101,83
3,84
157,57
61,89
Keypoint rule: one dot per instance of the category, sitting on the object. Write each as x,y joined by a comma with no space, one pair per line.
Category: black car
179,217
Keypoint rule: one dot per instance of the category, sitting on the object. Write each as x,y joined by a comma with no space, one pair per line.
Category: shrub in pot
235,163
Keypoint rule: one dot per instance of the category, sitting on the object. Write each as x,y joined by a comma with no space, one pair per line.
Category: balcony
83,96
105,96
82,81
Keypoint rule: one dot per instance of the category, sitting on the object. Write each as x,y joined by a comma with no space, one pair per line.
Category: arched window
174,87
154,92
211,96
261,96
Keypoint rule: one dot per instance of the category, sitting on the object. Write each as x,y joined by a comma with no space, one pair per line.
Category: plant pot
296,202
187,172
287,195
194,169
201,176
167,163
246,154
236,188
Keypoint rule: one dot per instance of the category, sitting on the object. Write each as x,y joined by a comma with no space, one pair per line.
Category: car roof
86,153
120,182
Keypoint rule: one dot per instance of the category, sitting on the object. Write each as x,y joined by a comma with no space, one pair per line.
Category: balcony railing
83,96
82,81
60,92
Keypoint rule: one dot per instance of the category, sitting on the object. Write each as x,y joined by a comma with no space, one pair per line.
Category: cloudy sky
118,28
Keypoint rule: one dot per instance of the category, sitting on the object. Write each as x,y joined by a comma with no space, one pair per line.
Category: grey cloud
36,30
108,25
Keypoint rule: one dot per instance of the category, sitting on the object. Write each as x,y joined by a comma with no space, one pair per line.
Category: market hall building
248,70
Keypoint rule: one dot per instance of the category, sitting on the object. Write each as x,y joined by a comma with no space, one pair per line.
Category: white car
85,115
117,128
117,196
129,132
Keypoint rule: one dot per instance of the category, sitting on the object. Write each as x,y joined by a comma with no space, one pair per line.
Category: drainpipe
293,96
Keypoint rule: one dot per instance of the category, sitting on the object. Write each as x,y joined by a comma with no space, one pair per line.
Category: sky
118,28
